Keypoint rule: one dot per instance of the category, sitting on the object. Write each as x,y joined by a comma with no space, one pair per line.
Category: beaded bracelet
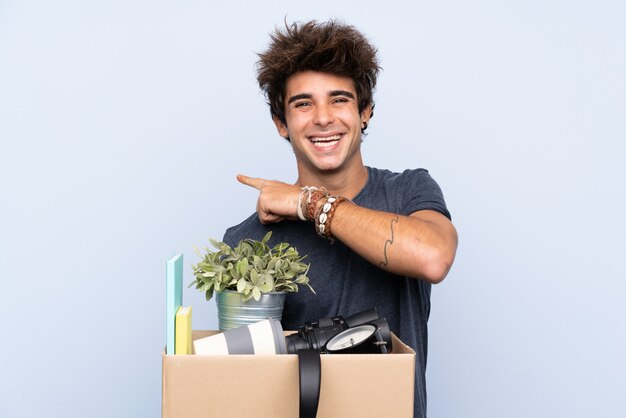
325,215
312,202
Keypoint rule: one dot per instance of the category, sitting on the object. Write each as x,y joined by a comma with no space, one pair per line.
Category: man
373,238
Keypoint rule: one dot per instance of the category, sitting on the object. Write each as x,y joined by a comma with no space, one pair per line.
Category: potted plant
250,280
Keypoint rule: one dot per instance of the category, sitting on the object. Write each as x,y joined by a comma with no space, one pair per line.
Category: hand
277,200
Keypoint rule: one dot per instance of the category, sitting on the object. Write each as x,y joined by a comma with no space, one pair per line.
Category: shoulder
411,178
408,191
383,174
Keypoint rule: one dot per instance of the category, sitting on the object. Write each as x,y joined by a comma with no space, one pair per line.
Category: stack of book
178,332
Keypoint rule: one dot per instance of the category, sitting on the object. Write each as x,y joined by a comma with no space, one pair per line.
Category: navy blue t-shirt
345,283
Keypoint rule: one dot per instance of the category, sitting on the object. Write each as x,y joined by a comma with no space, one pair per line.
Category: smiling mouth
325,142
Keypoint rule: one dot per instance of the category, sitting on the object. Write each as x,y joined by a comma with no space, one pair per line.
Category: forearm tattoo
388,242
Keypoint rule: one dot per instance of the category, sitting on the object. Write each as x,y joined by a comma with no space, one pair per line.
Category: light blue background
124,123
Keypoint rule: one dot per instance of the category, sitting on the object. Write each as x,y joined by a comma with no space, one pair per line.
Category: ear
281,127
366,114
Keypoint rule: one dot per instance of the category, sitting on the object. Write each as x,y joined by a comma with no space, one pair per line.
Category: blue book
173,297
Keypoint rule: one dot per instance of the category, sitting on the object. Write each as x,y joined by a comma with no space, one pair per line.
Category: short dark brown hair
331,47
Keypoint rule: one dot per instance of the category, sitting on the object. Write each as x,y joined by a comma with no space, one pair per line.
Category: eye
301,104
341,100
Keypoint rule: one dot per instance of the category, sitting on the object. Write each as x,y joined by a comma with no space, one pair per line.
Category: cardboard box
353,385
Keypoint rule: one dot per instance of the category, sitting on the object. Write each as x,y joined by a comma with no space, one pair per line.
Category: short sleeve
422,193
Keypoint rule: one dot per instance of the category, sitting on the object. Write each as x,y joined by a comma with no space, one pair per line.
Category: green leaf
218,244
205,266
254,277
279,248
265,287
258,263
272,263
246,249
290,287
252,268
269,280
298,267
242,267
261,249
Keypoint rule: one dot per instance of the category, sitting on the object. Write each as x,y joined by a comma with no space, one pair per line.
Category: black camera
363,332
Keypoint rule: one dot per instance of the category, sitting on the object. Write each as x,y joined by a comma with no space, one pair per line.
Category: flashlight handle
362,317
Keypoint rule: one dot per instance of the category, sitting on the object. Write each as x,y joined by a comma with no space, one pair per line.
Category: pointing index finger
251,181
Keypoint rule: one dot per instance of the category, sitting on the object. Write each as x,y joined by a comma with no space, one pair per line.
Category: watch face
350,337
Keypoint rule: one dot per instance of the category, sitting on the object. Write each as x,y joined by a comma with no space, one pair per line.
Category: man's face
323,121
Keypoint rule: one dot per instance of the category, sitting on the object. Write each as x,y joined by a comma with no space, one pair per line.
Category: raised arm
422,245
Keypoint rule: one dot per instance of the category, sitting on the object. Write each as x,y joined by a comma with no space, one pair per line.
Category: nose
323,115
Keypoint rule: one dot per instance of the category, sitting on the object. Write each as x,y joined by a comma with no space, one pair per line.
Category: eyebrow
341,93
298,97
333,93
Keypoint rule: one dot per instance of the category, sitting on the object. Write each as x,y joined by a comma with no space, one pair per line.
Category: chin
329,168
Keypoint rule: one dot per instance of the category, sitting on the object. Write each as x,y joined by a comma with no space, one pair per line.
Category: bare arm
422,245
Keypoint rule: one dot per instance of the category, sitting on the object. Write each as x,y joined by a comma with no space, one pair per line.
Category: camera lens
312,338
263,337
296,342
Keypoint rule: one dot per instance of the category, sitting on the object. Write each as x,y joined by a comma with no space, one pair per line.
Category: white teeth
325,139
324,144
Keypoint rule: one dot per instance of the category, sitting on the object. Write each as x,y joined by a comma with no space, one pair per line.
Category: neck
347,183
